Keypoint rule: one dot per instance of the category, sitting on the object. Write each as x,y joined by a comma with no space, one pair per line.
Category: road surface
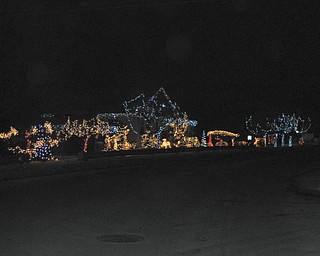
179,206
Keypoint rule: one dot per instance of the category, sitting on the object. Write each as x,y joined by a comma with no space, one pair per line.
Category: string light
157,112
179,128
149,140
46,116
221,142
39,142
223,133
9,134
283,125
118,141
165,144
258,129
203,139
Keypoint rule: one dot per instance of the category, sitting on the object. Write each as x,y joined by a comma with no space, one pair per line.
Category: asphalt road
180,206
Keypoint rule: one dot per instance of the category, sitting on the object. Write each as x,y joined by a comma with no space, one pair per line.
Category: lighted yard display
288,124
260,130
153,123
43,143
118,140
179,128
219,141
158,111
165,144
302,125
115,137
283,125
9,134
92,127
203,139
39,141
149,140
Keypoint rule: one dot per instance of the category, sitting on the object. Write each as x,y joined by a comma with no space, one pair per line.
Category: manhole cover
120,238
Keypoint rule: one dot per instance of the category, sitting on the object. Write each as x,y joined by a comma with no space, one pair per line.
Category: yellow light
223,133
9,134
118,141
165,144
149,140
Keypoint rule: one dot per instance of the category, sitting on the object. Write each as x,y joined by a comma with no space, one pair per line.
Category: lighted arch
223,133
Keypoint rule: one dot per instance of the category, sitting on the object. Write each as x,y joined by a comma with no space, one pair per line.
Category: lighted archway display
220,133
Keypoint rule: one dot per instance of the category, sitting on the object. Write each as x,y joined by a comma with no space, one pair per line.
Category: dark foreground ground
210,204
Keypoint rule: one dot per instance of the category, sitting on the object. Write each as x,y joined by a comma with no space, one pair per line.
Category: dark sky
219,60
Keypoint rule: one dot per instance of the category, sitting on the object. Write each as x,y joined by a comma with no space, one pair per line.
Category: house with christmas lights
154,115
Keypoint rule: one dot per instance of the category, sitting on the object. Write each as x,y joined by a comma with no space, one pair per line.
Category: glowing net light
9,134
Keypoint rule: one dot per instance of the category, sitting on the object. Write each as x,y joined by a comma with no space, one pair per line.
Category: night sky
219,60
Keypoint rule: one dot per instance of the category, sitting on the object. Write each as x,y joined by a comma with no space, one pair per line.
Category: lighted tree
283,125
42,146
204,139
302,125
39,141
259,129
179,127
